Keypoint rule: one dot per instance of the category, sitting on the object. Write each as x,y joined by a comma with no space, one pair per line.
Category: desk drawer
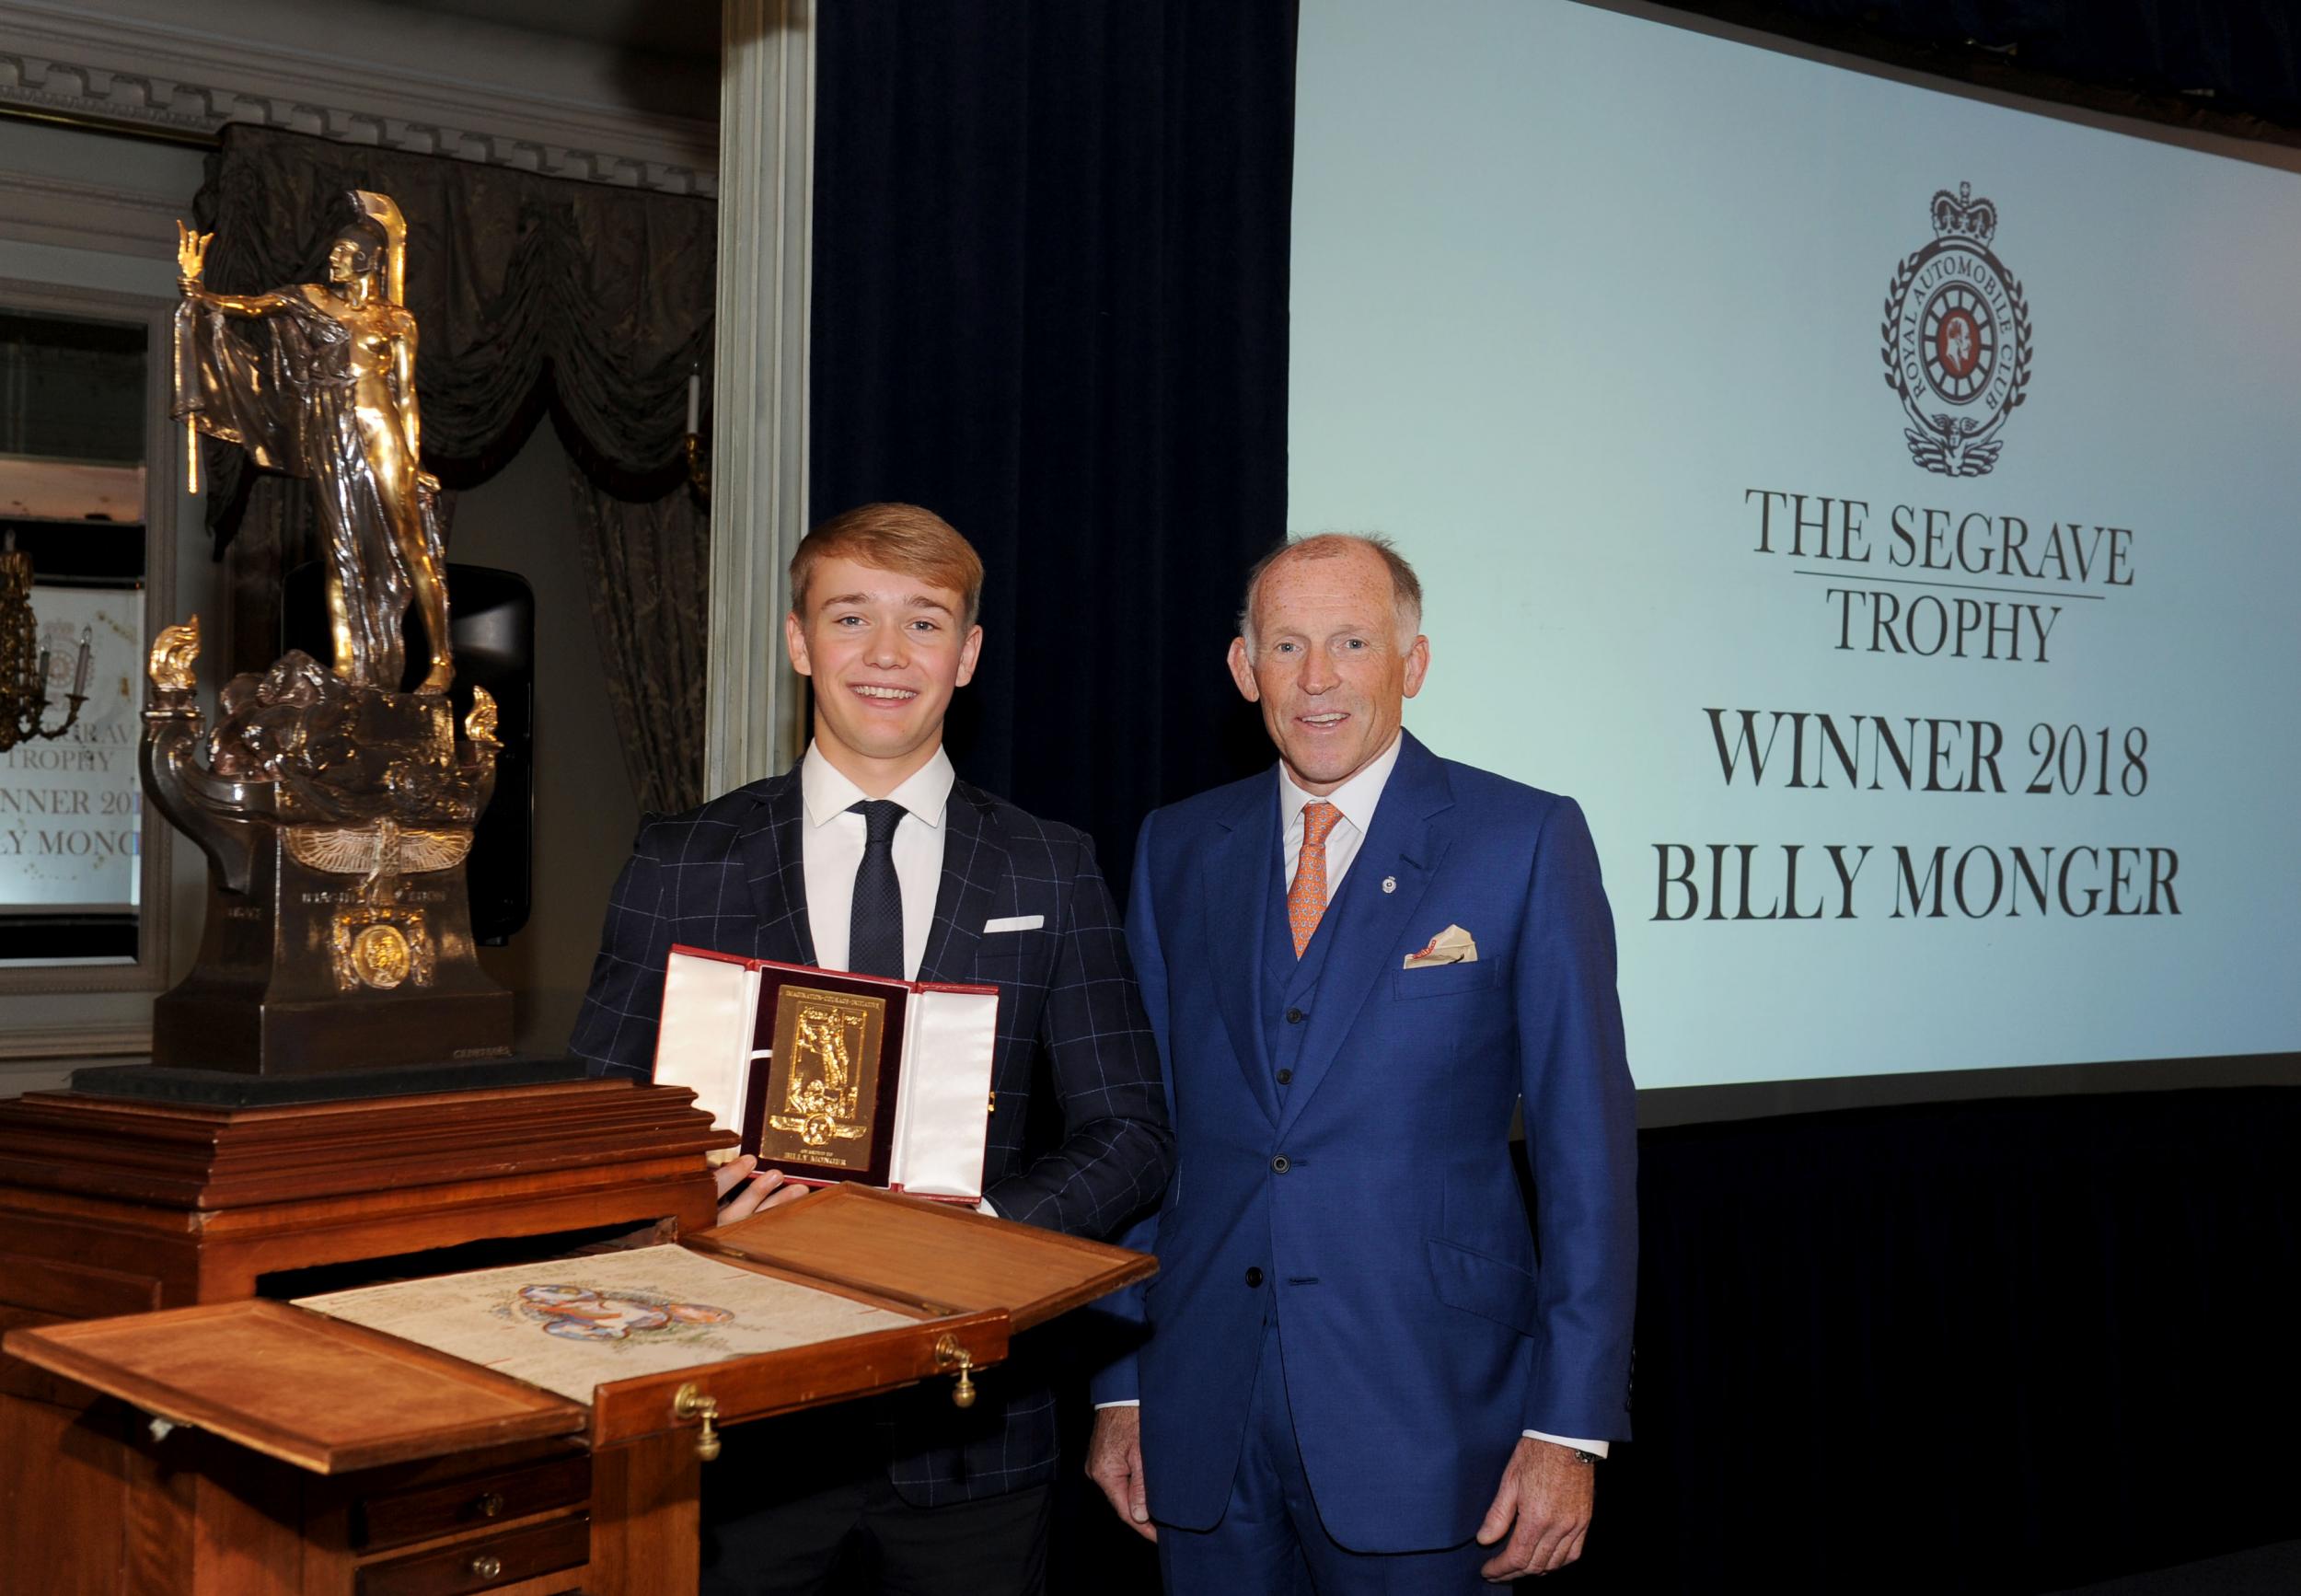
426,1512
486,1563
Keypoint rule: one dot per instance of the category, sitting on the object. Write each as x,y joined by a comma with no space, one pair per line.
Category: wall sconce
24,663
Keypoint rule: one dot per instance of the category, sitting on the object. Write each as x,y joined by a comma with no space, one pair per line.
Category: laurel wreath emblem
1954,445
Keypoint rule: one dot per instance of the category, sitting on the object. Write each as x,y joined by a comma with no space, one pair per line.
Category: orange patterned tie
1306,899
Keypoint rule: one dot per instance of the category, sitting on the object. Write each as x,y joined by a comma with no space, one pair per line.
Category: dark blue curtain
1050,304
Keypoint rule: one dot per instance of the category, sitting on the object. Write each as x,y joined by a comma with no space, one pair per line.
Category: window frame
106,1009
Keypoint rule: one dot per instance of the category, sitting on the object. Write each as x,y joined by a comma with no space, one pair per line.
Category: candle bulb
79,675
695,403
40,681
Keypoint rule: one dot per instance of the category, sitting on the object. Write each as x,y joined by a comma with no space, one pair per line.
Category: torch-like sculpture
335,808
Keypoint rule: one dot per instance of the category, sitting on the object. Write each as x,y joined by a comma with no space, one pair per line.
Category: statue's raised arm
318,381
192,258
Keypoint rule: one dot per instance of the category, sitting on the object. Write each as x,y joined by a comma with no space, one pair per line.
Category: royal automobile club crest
1957,339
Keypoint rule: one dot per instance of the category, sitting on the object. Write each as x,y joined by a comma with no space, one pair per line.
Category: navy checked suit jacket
728,877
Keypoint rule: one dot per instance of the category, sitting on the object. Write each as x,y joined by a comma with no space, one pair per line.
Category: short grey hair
1405,587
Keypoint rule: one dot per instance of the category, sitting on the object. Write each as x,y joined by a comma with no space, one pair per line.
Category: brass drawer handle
949,1354
487,1565
489,1505
689,1402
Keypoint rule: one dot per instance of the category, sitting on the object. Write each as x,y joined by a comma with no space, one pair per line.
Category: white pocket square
1451,946
1014,922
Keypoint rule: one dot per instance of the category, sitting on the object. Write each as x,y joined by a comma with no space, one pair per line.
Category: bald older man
1364,1371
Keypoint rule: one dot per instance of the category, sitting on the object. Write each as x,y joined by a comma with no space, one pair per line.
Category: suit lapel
1409,838
1238,866
767,854
974,863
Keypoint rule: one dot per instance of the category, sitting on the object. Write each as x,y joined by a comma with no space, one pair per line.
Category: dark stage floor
2263,1571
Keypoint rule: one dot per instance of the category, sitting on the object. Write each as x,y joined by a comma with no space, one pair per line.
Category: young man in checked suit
871,856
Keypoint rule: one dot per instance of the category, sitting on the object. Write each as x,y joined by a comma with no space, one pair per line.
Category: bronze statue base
336,818
310,972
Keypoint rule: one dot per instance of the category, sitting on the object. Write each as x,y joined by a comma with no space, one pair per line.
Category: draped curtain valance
531,296
530,292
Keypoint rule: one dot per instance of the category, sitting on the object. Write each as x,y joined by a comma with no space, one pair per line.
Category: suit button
1279,1164
1254,1277
1284,1076
1294,1016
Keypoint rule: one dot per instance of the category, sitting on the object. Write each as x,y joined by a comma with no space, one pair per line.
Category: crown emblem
1960,215
1955,339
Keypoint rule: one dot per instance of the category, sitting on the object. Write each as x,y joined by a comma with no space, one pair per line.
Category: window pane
72,499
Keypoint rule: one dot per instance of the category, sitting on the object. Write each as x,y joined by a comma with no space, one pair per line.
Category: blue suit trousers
1270,1541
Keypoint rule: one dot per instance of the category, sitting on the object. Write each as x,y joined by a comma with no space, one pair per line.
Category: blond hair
891,536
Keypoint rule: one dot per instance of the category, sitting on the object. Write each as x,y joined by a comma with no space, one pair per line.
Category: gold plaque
380,955
823,1079
382,947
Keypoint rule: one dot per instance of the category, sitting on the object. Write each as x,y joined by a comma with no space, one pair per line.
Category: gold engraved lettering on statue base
823,1089
381,948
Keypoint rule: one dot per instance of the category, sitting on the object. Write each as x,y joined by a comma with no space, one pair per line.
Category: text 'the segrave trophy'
335,809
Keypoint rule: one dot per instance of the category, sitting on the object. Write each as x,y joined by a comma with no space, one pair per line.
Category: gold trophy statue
335,808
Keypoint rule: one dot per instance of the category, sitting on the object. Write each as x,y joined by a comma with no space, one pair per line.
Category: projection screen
1875,505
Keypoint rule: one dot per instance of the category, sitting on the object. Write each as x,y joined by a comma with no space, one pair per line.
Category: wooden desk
252,1448
112,1205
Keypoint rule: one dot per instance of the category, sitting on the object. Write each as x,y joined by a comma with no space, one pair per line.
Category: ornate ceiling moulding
73,65
38,210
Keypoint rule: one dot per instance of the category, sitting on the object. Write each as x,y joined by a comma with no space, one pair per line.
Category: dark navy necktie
874,925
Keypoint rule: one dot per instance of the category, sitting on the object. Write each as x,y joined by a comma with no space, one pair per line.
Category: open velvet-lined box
831,1076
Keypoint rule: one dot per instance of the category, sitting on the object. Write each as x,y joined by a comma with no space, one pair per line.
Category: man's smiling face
887,650
1327,663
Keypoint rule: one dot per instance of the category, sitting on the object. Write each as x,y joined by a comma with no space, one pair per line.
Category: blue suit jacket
730,876
1423,1325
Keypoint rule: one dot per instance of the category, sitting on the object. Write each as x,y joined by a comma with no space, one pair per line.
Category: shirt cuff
1124,1402
1595,1448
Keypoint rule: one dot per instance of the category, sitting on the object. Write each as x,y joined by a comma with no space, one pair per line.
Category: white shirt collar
828,793
1355,798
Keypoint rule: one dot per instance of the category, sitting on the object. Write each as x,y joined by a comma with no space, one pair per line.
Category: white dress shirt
1356,799
831,848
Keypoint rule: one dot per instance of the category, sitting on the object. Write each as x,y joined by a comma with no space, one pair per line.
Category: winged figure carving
378,852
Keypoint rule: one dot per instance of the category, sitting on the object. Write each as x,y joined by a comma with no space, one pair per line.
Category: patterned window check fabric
731,876
1306,898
